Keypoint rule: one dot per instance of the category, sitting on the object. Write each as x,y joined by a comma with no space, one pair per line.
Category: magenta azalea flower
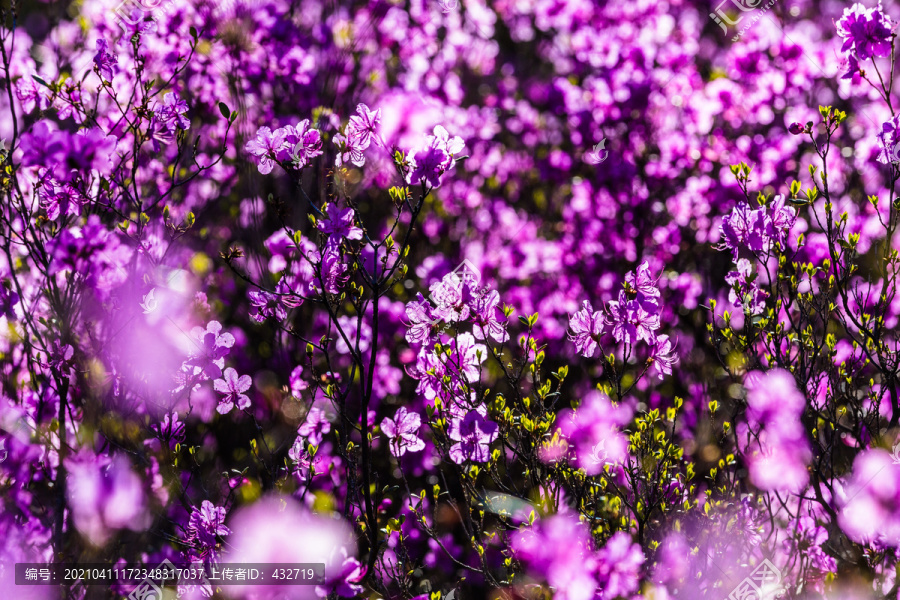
233,387
363,127
866,32
586,325
265,147
472,435
402,431
104,61
210,360
631,322
662,357
338,224
315,426
205,526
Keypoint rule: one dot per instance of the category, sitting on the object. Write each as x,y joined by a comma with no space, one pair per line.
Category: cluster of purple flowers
633,317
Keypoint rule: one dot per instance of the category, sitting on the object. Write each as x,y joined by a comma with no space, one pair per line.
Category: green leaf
223,108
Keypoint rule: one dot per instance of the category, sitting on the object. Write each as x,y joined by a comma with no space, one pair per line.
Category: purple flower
746,228
402,431
30,95
890,141
773,440
105,495
279,529
558,550
866,32
214,348
233,387
159,134
420,329
297,383
663,357
334,271
363,128
428,165
631,322
338,224
171,113
171,430
8,299
430,162
66,155
104,61
60,357
467,356
452,296
592,430
58,199
429,370
640,285
349,151
204,527
344,581
266,305
473,434
619,566
486,312
869,499
796,128
315,426
301,144
586,326
265,147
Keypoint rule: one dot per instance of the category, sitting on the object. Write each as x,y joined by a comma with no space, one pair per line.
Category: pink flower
631,322
585,327
265,147
363,128
338,224
402,431
870,499
662,357
233,387
866,32
315,426
215,347
105,495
